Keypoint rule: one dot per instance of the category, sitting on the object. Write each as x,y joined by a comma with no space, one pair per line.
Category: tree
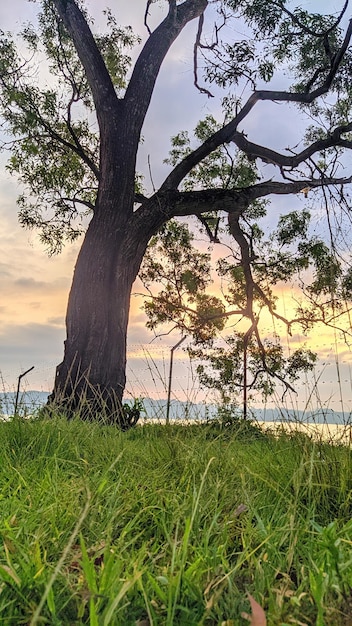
75,171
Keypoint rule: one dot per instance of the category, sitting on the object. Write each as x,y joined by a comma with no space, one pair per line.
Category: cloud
57,321
5,271
32,285
23,346
138,335
30,339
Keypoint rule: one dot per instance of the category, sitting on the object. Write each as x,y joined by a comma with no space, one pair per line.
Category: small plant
131,414
330,574
229,420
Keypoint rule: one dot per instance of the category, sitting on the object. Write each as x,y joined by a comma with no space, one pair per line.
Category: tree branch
163,205
197,45
271,156
238,235
79,148
104,95
308,30
213,237
146,14
194,314
75,200
175,203
229,132
147,66
76,147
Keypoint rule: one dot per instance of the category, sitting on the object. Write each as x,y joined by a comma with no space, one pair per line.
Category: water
334,433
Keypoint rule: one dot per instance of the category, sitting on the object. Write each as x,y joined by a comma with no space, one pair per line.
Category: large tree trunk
91,379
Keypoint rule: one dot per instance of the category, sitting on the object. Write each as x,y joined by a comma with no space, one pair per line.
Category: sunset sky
34,287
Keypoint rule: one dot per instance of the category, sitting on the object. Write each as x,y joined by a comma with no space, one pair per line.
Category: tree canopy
74,131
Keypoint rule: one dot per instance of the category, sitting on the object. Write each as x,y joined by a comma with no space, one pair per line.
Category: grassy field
172,526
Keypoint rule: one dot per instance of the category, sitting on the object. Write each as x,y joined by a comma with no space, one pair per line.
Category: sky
34,287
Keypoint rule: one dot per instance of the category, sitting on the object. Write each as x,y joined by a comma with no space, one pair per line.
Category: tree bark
91,379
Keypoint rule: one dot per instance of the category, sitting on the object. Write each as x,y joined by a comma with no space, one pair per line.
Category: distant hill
31,400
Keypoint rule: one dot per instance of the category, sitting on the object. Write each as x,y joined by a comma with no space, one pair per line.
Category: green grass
146,527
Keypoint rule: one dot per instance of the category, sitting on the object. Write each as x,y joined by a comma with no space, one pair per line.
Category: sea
321,423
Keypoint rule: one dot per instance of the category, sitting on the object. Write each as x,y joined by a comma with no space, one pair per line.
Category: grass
172,526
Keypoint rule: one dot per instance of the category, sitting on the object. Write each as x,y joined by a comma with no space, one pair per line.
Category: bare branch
197,45
75,200
213,237
238,234
272,373
146,14
267,155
